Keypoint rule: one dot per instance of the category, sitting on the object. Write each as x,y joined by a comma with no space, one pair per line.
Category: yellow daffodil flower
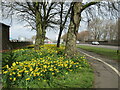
27,78
14,79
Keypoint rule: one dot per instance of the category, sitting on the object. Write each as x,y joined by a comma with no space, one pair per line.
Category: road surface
101,46
105,77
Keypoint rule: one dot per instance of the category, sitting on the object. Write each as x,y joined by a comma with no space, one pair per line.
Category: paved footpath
105,77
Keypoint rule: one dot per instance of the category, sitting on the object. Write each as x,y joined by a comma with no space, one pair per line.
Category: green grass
109,53
79,75
80,79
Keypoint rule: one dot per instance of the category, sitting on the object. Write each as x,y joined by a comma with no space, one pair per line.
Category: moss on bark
70,48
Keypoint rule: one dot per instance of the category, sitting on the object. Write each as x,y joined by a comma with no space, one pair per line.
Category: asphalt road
105,77
102,46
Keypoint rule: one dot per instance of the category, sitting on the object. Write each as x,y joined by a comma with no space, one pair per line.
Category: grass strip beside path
109,53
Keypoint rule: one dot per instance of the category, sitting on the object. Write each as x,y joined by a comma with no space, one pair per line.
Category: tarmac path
107,72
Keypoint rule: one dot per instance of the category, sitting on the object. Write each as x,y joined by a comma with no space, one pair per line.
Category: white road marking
114,69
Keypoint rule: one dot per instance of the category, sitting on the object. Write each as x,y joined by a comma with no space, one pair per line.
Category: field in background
109,53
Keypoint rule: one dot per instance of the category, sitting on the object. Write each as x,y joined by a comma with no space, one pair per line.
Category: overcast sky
18,29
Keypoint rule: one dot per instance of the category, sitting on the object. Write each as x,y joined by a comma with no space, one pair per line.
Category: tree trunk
59,37
118,32
39,36
61,26
39,39
43,34
70,48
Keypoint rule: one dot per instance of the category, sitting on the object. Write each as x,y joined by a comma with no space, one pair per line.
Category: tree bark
70,48
61,26
43,35
39,36
59,37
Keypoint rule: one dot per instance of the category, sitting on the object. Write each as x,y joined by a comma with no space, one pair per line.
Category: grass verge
45,68
109,53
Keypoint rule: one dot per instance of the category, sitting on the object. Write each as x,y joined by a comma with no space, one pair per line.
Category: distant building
4,36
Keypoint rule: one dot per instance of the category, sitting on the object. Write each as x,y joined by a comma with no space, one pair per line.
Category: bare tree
83,36
112,30
103,29
39,16
77,8
96,29
63,20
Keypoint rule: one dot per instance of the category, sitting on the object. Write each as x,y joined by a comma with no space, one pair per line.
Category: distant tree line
98,30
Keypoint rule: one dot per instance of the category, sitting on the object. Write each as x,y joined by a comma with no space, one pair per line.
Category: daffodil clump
44,64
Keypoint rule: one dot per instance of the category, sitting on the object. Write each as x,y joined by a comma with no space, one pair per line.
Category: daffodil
70,70
34,74
13,73
20,71
14,64
14,79
10,78
5,72
51,69
19,75
38,73
76,66
27,78
10,74
26,71
31,69
7,66
44,66
53,73
38,78
65,65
